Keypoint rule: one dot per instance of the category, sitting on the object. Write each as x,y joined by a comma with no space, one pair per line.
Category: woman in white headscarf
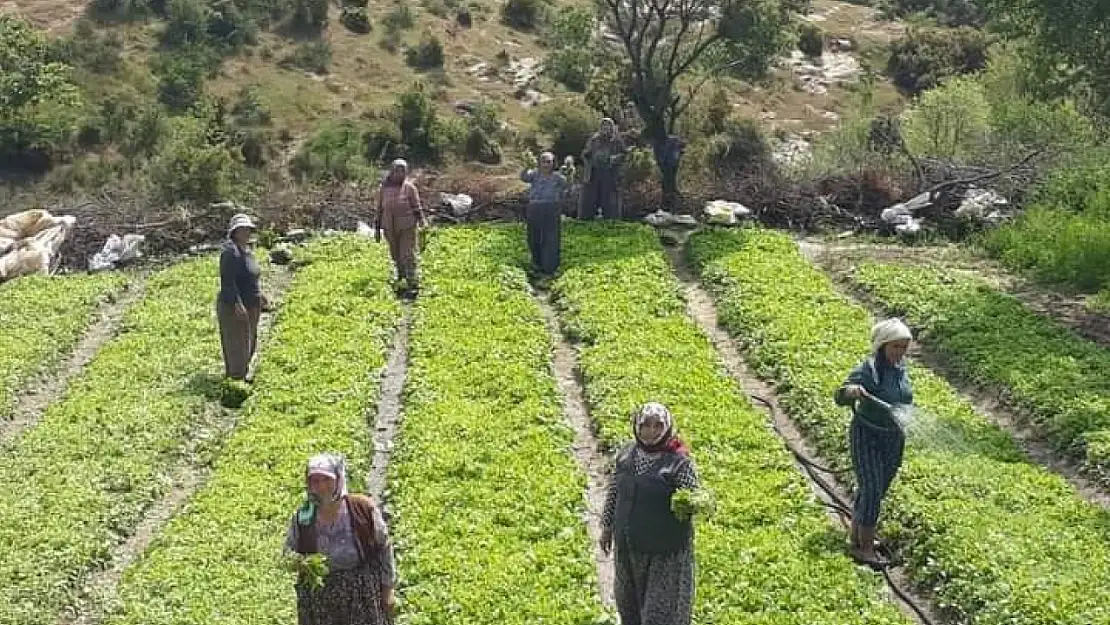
875,437
653,548
240,301
349,530
400,215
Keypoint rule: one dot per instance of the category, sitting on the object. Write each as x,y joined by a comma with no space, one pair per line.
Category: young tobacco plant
219,562
488,501
769,554
1061,381
79,482
994,539
41,319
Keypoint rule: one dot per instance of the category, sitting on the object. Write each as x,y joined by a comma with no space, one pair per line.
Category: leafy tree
673,47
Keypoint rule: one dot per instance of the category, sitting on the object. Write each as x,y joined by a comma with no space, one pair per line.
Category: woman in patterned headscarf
654,549
348,529
875,437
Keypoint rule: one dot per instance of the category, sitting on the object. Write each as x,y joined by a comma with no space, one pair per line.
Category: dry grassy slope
364,77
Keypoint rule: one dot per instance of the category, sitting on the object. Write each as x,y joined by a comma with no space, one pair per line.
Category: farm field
488,501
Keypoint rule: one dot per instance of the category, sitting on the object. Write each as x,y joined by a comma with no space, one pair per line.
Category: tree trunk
667,153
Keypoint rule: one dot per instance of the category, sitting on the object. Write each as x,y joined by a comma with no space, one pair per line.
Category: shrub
480,147
811,40
314,56
464,18
421,132
356,20
951,122
523,14
569,124
383,141
230,26
573,56
181,76
334,153
945,12
309,16
92,51
925,57
428,54
106,10
400,18
188,167
249,109
741,146
186,22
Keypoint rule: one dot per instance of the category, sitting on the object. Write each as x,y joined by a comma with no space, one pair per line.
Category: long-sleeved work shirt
239,276
545,188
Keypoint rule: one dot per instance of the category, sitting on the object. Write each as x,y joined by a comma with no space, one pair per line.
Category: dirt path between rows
389,411
587,450
986,400
208,436
50,385
701,308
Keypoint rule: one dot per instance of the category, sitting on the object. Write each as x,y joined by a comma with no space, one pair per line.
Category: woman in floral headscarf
348,529
654,549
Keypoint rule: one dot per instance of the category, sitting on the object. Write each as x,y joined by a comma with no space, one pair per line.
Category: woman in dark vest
875,437
654,550
350,532
240,301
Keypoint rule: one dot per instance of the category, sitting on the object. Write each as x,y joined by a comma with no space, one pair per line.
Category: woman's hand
240,310
606,541
389,602
853,391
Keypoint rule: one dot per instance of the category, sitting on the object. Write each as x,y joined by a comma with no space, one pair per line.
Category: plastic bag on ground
724,213
117,250
460,204
30,241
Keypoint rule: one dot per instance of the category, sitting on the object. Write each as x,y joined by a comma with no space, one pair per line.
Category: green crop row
770,553
79,482
217,562
1060,380
41,318
488,500
995,539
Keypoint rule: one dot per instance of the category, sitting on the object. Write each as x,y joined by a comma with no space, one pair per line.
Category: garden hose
838,504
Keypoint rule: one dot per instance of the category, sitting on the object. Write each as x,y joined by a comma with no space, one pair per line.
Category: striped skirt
876,457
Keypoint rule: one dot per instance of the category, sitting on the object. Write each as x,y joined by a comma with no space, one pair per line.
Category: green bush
186,22
811,40
573,57
112,10
952,122
400,18
568,123
523,14
90,50
428,54
249,110
383,141
190,168
422,134
181,76
945,12
356,20
926,57
309,16
313,56
334,153
480,147
741,146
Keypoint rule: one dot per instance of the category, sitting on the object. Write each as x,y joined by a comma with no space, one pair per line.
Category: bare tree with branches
668,42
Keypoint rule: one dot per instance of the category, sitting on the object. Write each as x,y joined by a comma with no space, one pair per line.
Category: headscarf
888,331
331,465
400,162
668,440
607,129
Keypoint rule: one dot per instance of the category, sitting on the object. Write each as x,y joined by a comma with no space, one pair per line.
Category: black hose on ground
840,506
